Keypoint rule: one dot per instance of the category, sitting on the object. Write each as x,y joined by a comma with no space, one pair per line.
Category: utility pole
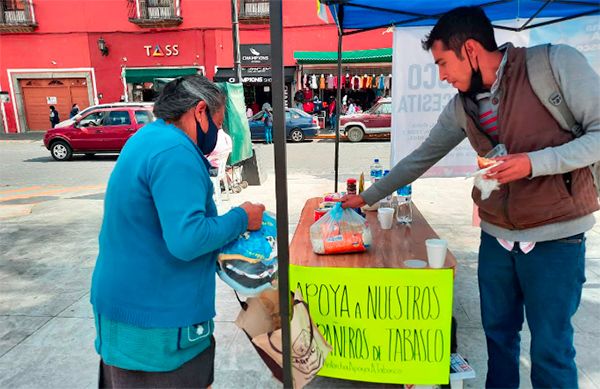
237,64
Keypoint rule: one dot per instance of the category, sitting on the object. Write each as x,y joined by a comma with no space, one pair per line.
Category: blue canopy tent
355,16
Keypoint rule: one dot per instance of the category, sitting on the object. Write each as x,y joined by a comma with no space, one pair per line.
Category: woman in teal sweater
153,287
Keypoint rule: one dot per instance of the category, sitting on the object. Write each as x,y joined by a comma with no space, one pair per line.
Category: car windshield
299,112
380,108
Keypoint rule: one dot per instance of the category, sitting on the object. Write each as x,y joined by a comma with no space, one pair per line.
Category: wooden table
330,282
389,248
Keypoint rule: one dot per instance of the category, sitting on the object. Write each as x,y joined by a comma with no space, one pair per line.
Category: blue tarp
369,14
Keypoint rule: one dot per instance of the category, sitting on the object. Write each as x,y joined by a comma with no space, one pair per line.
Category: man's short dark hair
456,26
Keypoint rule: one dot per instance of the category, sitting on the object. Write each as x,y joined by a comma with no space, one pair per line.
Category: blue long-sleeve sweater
157,256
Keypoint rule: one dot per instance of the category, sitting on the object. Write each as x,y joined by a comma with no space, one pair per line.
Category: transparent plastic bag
487,185
340,231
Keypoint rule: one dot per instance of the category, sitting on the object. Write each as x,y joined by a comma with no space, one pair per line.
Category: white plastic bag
487,185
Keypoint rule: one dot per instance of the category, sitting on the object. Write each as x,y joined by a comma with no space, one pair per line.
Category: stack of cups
436,252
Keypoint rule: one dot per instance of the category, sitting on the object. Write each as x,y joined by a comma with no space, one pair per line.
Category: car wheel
355,134
61,151
296,136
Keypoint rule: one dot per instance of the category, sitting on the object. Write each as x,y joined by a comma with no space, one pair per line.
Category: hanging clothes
388,82
335,82
355,82
348,81
363,83
322,82
381,82
330,82
369,82
313,82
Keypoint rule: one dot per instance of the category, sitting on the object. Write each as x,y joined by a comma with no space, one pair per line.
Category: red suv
375,121
101,130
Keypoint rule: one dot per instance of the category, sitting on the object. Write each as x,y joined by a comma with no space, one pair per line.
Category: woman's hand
255,214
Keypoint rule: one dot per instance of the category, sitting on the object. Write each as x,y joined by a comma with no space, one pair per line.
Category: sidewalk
25,136
46,323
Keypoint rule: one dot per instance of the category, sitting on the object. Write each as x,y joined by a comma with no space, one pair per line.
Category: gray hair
184,93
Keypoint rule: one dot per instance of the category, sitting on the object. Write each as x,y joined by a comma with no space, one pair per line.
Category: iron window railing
16,12
153,9
254,9
155,13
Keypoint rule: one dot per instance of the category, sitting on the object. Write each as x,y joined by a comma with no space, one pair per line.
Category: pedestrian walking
54,118
74,111
268,121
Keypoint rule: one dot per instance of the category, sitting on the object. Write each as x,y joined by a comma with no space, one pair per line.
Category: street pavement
50,215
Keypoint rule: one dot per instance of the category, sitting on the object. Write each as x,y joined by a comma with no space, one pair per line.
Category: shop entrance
145,84
39,94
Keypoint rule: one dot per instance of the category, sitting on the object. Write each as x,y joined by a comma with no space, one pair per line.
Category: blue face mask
207,141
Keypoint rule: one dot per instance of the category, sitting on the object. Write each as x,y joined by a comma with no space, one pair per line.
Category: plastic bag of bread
340,231
487,185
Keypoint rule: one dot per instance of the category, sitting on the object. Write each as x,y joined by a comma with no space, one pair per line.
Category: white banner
583,34
418,98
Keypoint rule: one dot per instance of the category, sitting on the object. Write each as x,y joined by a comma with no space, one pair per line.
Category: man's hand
352,201
255,214
513,167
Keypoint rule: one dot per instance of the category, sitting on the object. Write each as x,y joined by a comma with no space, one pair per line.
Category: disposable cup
436,252
385,217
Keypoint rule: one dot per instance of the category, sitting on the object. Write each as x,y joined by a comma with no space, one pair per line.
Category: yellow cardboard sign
385,325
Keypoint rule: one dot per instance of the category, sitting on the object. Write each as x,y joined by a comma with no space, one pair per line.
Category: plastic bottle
404,207
387,201
376,171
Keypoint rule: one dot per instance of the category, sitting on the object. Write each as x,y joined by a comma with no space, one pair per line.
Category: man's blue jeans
545,285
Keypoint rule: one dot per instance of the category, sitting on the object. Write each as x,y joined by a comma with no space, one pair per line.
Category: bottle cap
376,160
351,181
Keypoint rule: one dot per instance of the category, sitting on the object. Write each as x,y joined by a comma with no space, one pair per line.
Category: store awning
140,75
254,75
357,56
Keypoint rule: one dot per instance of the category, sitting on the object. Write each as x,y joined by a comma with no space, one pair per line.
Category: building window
16,16
254,9
155,13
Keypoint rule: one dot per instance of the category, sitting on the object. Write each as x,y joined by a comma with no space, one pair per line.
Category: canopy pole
338,103
281,194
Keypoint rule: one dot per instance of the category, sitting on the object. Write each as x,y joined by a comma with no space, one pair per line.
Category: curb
329,136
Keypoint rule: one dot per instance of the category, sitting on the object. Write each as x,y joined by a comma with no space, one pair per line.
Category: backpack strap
548,91
546,88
